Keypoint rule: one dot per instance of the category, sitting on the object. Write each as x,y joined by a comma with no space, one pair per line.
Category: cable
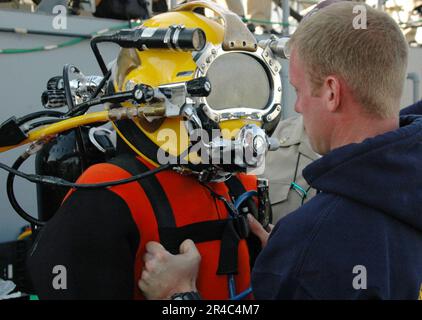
83,107
238,202
11,194
244,197
93,117
116,98
66,83
307,192
102,84
242,295
233,212
232,286
13,172
41,123
71,42
232,209
39,114
81,148
45,33
229,205
64,183
71,105
94,46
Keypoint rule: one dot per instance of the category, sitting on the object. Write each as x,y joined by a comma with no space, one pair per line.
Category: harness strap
152,188
228,231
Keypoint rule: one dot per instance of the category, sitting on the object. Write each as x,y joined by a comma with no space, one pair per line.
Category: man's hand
258,230
165,274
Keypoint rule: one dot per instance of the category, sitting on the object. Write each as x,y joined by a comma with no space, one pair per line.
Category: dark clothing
415,108
96,239
122,9
368,213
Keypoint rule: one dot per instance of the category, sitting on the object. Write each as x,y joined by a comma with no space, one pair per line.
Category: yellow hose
101,116
55,128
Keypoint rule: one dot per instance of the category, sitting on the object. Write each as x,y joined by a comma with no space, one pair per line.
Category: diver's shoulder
103,172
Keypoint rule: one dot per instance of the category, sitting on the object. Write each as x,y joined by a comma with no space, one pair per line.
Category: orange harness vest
169,208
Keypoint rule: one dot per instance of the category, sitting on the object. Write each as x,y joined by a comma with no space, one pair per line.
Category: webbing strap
152,188
229,231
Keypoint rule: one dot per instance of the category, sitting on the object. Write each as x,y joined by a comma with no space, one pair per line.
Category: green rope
66,43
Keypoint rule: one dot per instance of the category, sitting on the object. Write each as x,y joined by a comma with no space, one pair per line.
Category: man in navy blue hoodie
360,237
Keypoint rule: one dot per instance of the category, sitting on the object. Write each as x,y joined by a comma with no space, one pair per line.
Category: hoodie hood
384,172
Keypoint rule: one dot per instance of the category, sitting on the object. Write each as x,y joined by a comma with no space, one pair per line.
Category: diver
207,139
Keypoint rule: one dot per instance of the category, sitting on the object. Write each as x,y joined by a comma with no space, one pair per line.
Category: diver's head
222,102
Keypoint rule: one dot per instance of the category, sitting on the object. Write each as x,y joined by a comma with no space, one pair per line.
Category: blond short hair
372,61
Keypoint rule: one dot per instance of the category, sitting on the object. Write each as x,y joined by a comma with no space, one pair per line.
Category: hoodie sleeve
415,108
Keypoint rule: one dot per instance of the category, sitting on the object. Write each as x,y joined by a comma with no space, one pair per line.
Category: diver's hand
165,274
258,230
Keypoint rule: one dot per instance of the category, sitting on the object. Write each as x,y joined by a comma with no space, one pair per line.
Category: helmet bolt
207,86
138,94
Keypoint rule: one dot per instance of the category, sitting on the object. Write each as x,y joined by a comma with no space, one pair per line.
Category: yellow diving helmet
221,97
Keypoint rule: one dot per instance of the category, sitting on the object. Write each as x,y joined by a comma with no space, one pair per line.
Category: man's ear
332,90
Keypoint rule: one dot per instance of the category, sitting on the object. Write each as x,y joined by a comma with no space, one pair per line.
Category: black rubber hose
47,33
39,114
98,56
71,106
13,171
83,107
67,184
66,84
102,84
81,148
11,195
